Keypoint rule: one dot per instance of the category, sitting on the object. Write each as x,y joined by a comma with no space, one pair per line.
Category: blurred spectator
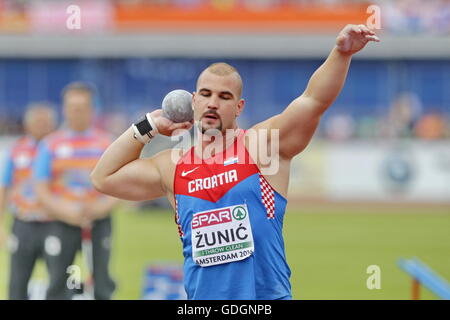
404,112
31,222
61,170
115,123
432,126
416,16
366,127
340,127
399,16
9,126
44,16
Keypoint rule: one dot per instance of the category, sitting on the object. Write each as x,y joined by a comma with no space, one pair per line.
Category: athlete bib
221,235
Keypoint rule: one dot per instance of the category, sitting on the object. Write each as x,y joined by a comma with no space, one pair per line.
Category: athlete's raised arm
298,122
122,174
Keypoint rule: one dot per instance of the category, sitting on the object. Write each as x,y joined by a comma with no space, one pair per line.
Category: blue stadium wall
269,85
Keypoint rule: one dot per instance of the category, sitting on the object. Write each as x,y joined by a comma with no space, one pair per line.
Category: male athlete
31,222
229,214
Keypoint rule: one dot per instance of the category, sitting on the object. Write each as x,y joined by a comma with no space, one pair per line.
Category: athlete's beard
214,130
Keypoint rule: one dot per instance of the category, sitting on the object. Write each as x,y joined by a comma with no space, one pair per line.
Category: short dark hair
224,69
79,86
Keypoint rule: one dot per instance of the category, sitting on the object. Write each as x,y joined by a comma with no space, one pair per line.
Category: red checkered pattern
177,219
267,197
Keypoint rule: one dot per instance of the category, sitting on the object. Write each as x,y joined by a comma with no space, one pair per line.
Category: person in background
31,223
404,111
431,126
62,168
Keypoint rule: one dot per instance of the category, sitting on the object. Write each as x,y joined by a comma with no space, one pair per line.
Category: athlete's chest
211,181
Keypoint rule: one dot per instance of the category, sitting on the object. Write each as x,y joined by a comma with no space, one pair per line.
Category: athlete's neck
209,145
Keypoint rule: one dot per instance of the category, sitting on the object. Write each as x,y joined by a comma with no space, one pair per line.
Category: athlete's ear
193,98
240,107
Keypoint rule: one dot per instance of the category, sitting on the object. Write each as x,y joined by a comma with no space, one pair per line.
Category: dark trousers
27,245
63,242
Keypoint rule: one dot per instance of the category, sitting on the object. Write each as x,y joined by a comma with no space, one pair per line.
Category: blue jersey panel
263,275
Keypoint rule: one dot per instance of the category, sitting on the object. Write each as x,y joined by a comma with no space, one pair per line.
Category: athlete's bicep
138,180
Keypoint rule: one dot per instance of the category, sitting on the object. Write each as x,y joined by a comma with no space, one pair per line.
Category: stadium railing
424,275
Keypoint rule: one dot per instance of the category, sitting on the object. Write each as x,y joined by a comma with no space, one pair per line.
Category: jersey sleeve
42,163
7,170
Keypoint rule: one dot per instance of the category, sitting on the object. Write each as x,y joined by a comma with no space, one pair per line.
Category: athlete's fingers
355,29
182,128
181,125
372,38
365,30
341,39
157,112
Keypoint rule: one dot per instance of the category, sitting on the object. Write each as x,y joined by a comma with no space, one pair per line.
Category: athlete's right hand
167,127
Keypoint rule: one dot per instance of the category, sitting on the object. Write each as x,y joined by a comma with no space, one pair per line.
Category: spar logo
239,213
209,218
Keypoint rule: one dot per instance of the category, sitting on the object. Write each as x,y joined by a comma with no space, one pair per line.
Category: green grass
328,249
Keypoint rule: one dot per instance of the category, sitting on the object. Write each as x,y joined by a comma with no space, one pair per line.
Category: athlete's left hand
354,37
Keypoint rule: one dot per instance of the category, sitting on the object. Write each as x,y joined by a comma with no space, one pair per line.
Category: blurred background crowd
405,98
402,16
